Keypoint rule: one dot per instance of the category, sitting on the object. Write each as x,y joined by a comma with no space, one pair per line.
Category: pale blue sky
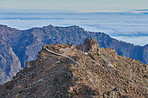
74,4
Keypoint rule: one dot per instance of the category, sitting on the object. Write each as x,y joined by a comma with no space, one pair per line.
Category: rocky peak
49,26
88,45
3,26
146,45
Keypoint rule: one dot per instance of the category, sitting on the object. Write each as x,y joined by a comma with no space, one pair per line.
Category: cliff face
9,62
62,71
145,53
25,44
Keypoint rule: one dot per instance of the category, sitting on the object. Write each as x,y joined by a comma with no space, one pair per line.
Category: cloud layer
113,24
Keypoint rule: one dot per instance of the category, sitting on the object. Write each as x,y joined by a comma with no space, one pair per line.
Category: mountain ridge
25,44
86,70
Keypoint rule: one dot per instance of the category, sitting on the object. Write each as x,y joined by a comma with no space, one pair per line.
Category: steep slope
145,53
26,43
9,62
62,71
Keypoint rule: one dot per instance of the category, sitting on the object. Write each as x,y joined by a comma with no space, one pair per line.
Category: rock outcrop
88,45
21,46
63,71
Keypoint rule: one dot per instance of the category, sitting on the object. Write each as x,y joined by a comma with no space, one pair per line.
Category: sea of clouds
124,26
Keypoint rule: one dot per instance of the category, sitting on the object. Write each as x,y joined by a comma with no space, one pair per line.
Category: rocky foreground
85,71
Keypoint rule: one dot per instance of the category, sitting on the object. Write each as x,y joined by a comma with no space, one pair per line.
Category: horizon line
80,11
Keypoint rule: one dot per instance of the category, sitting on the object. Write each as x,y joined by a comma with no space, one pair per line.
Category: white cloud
137,40
115,24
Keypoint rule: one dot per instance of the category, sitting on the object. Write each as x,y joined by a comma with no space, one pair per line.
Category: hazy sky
74,4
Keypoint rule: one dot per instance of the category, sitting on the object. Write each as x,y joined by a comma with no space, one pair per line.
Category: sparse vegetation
69,95
40,80
58,62
18,96
21,91
98,54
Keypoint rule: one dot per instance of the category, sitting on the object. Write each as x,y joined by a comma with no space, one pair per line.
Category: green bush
21,91
57,62
40,80
98,54
69,95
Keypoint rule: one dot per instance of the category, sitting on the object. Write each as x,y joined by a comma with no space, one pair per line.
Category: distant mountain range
19,46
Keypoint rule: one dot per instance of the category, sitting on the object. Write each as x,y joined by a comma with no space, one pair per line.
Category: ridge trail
94,80
62,56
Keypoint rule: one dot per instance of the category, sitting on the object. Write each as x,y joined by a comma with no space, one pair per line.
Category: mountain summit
89,44
85,71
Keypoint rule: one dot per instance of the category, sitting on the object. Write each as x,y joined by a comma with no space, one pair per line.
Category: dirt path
88,72
62,56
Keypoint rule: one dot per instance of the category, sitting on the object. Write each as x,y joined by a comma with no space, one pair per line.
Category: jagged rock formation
88,45
19,46
62,71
